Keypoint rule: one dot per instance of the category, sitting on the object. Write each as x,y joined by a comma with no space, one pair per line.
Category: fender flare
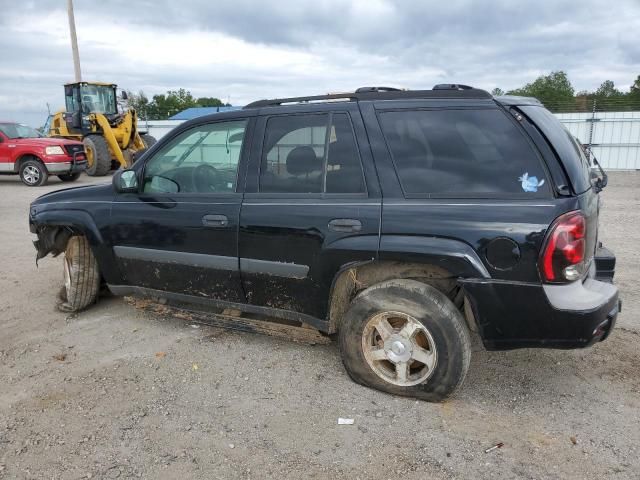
440,259
78,219
455,256
21,157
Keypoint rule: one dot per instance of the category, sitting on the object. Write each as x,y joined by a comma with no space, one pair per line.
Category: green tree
608,90
634,91
554,91
139,102
496,92
210,102
164,106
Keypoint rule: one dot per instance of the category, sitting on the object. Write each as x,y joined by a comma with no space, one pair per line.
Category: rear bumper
519,315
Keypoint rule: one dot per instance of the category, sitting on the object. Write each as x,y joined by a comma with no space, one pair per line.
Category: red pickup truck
24,151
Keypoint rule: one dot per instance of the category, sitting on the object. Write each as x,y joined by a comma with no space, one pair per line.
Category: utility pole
74,41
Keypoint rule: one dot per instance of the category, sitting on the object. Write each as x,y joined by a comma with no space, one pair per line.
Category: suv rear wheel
81,275
405,338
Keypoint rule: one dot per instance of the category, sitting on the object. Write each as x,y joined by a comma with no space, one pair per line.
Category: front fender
54,227
75,220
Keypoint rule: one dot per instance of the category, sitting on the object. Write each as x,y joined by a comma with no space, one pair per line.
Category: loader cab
84,98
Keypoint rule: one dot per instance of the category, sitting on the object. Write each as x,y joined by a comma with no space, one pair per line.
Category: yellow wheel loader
110,138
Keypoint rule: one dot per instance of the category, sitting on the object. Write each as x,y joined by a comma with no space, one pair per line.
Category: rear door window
474,153
314,153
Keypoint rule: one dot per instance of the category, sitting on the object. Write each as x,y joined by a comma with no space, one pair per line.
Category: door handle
215,221
345,225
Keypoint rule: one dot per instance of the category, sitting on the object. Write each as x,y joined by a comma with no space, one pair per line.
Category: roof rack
451,86
381,93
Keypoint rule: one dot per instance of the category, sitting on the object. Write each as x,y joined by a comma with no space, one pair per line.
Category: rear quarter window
468,153
569,152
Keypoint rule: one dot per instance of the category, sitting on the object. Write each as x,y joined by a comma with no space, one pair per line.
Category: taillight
563,254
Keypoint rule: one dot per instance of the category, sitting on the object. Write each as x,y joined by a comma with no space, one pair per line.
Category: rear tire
33,173
81,275
406,338
148,140
69,177
98,155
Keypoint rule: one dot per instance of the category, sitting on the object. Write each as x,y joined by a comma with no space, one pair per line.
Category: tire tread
85,276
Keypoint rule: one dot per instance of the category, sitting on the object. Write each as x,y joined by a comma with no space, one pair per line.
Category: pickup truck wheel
69,177
33,173
405,338
81,275
98,155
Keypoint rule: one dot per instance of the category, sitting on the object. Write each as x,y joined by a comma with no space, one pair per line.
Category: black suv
404,221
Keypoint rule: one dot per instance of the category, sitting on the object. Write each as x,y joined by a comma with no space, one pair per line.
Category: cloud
247,50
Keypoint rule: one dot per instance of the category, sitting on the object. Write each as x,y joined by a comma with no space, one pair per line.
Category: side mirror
125,181
124,95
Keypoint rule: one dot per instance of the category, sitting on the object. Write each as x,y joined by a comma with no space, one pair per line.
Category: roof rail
316,98
452,86
377,89
381,93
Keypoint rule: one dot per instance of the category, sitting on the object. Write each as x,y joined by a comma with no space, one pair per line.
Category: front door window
203,159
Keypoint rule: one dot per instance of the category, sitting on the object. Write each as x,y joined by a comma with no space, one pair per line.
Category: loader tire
148,140
81,275
98,155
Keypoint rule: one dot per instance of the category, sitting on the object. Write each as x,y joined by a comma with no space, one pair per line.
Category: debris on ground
61,357
232,319
495,447
160,354
573,439
345,421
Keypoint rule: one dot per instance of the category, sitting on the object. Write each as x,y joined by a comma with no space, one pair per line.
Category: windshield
98,99
17,130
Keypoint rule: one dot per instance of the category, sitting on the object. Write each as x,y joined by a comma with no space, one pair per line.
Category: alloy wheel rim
89,154
31,174
399,348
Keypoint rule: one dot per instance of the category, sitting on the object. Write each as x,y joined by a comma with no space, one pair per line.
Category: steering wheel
205,178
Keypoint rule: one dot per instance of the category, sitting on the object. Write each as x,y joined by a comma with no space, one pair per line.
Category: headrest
302,160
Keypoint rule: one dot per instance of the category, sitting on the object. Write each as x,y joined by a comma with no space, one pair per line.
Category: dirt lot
116,392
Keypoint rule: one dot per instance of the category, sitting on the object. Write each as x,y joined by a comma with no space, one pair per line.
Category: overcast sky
246,50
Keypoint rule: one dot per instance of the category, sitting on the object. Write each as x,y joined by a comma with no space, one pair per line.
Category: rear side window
462,153
570,153
314,153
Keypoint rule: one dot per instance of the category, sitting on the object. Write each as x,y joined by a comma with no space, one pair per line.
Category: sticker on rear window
530,184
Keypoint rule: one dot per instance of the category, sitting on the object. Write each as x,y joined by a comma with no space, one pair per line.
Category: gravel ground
116,392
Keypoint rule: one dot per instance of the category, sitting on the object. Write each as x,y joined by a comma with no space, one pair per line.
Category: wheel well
353,280
24,158
53,239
